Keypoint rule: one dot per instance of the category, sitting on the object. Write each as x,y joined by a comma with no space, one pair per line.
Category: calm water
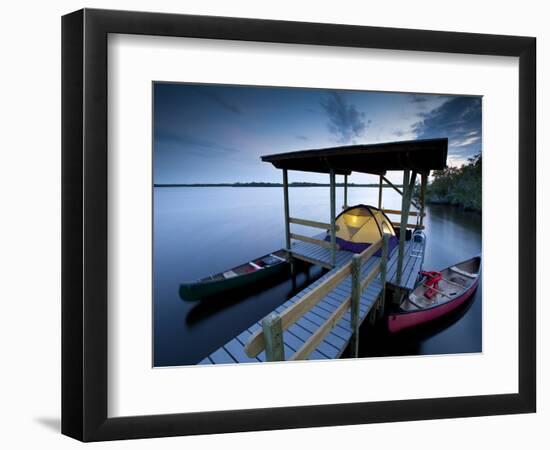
199,231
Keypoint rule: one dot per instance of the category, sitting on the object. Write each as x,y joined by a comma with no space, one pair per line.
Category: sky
217,133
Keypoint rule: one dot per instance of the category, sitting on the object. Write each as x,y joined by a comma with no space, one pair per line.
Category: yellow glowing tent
360,226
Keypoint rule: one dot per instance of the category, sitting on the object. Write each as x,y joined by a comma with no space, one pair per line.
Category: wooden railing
314,224
310,223
415,226
270,337
409,225
311,240
398,212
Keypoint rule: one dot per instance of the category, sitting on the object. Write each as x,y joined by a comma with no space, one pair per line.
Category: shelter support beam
423,184
332,217
403,225
396,189
383,274
408,187
345,192
380,187
355,303
287,209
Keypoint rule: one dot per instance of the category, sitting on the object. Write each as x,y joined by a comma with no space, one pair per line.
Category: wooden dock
323,320
412,264
329,313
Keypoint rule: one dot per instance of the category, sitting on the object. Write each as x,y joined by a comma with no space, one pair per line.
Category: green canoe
241,276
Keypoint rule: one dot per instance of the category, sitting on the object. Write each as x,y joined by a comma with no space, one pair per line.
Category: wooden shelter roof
421,155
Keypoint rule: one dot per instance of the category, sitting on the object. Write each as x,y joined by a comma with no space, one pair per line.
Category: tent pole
332,217
423,183
403,225
380,193
287,213
345,192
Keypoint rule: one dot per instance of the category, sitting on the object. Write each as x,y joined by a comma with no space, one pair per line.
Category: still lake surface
199,231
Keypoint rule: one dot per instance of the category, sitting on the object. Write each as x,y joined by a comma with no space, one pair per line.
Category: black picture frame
84,224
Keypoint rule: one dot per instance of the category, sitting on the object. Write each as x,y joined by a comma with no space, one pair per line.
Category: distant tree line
459,186
266,184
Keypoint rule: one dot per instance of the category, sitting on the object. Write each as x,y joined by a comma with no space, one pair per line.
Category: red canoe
437,294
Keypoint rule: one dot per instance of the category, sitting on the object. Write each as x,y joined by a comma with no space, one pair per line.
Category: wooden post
412,184
403,224
380,193
383,273
345,192
423,184
333,217
408,188
396,189
273,336
287,209
372,316
355,302
397,295
292,262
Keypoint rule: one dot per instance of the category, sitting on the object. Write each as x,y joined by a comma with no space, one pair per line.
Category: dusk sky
216,133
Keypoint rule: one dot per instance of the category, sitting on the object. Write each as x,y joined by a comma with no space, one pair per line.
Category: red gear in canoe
432,281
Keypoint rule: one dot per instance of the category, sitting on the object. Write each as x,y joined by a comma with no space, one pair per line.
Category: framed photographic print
274,224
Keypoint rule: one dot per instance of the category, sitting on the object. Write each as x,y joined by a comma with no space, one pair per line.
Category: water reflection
205,309
377,341
200,231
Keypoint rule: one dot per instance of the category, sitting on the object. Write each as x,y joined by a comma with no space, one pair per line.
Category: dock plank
411,267
416,248
335,342
319,253
407,280
236,349
221,356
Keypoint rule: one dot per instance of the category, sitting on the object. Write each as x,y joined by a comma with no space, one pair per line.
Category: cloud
301,137
398,133
459,120
418,98
189,143
345,121
220,100
456,161
466,141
